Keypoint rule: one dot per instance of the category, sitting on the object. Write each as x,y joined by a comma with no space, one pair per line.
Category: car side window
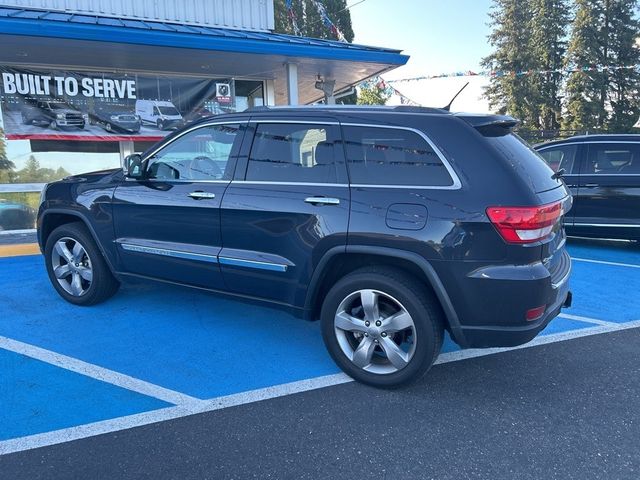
202,154
390,156
289,152
613,159
563,156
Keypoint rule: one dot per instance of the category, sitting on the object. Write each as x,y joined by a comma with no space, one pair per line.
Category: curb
20,249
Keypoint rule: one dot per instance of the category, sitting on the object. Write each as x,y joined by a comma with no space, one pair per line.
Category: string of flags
324,16
522,73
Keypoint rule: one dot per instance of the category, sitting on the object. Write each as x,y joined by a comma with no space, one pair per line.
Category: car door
287,206
608,204
167,224
566,157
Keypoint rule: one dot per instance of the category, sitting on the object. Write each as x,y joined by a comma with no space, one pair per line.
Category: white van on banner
63,105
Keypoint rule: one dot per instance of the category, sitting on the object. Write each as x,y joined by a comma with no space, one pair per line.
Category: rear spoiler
490,125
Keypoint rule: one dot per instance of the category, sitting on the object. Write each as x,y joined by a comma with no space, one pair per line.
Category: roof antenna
448,107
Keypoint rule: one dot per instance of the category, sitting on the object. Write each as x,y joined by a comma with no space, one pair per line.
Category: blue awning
54,24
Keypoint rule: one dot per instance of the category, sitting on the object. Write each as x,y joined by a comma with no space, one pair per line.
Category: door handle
322,201
202,195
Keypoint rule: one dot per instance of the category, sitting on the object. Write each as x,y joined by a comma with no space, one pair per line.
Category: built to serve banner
64,105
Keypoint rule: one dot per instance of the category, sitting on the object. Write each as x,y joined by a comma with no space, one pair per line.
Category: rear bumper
511,336
507,293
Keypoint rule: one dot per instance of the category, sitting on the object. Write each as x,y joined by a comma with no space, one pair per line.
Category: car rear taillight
525,224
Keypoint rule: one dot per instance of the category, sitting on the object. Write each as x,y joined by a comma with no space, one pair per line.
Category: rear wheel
382,327
76,267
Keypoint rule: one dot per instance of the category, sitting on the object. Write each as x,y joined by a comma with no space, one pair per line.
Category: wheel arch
340,261
54,218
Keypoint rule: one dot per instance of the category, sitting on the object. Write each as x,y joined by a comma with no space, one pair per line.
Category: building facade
84,83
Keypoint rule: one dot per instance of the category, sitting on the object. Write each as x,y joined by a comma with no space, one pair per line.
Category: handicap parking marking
96,372
169,413
180,339
620,255
38,397
602,262
605,292
194,352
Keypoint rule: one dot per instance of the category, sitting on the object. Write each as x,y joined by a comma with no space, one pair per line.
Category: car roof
473,119
601,137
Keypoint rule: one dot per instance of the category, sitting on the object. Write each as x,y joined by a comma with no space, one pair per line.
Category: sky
440,36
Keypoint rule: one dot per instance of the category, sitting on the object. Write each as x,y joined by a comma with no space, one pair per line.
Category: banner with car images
66,105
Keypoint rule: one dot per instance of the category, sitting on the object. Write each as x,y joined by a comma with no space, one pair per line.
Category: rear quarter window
525,161
392,156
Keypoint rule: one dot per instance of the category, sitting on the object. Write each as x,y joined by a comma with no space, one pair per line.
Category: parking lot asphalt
567,410
105,376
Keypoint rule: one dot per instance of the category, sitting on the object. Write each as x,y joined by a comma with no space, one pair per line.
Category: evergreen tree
511,38
588,47
310,21
5,163
33,173
372,96
549,23
604,35
624,83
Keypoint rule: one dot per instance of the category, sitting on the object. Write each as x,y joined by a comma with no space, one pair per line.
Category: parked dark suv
390,225
603,174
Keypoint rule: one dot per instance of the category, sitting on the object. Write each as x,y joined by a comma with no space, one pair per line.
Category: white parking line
99,373
603,262
200,406
586,319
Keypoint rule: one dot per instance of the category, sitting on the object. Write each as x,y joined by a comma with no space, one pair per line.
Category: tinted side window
390,156
560,157
613,159
293,153
201,154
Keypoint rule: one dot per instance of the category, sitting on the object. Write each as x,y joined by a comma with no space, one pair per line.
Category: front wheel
382,327
76,267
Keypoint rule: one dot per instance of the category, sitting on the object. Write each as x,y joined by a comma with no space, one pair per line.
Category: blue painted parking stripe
616,264
38,397
108,426
96,372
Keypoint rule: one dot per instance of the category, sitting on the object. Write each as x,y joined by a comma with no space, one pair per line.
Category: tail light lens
525,224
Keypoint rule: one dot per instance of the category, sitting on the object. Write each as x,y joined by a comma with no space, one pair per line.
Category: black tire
160,124
416,299
103,284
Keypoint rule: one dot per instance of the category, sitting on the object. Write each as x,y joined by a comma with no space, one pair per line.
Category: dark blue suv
390,225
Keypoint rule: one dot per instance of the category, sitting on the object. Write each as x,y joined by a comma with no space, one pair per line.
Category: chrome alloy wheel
72,266
375,331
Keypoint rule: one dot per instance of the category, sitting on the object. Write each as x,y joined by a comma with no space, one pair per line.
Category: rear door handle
202,195
322,201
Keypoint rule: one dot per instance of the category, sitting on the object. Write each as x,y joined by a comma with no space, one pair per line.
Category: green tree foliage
34,173
310,23
511,39
549,22
588,46
546,35
309,20
5,163
372,96
624,84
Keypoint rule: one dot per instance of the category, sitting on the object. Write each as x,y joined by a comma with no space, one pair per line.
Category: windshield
58,106
169,111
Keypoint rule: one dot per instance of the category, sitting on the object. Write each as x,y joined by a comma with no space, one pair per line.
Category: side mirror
132,166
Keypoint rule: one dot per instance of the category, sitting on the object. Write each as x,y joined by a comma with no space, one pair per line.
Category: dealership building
84,83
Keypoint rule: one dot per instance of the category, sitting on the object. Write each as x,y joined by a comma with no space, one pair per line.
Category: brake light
525,224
